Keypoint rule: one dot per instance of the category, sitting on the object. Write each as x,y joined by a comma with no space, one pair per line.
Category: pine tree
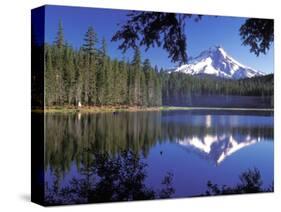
79,76
143,90
58,53
158,88
135,78
150,83
69,75
49,77
116,82
89,48
123,67
101,74
109,82
59,41
90,41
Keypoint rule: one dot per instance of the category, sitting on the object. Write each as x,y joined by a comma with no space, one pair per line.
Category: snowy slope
216,62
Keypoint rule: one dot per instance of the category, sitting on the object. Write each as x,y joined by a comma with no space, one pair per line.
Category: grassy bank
96,109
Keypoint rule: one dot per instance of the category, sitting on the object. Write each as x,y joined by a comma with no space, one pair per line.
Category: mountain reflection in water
218,147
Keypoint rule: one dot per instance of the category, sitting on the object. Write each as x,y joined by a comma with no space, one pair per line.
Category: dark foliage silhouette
250,182
108,178
151,29
258,34
167,30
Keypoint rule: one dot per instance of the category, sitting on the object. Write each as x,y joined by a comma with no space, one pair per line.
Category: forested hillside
181,85
89,76
179,89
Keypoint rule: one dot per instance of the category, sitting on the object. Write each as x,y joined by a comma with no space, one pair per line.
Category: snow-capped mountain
216,62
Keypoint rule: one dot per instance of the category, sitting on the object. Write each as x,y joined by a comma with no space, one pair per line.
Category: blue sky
208,32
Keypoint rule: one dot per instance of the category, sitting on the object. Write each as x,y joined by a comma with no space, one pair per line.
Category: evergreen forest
90,77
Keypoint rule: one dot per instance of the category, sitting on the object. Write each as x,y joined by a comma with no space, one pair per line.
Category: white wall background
15,104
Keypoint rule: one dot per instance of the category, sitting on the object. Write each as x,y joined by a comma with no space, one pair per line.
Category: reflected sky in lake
192,146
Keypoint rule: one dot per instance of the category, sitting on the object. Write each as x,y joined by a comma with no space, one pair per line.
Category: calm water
149,155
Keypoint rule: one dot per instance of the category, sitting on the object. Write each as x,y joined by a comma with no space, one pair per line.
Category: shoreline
104,109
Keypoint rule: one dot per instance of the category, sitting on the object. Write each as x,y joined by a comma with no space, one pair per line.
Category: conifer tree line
180,85
91,77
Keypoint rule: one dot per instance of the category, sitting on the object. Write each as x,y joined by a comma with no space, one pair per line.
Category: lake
149,155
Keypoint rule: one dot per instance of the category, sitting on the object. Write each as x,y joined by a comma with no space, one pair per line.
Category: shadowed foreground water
151,155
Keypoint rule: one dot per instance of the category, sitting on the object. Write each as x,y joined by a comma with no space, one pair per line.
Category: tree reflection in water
108,178
68,135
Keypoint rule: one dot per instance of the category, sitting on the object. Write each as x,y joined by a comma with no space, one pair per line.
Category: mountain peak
217,62
215,51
